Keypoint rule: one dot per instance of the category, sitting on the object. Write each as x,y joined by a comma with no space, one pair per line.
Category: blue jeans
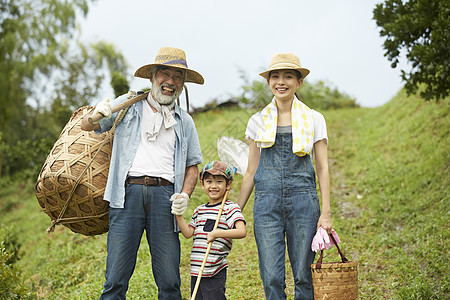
149,208
286,210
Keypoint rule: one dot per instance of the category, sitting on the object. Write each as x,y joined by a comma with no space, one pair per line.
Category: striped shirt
203,221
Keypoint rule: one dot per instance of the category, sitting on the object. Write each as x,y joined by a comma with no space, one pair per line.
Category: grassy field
390,203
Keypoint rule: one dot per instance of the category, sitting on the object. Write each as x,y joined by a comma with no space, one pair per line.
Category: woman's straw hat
283,61
171,57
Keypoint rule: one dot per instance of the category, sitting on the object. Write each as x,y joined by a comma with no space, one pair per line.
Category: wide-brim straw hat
171,57
285,61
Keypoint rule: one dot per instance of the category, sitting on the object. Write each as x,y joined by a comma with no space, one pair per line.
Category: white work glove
179,203
103,108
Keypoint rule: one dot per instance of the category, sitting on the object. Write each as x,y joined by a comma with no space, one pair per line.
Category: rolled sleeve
187,146
194,153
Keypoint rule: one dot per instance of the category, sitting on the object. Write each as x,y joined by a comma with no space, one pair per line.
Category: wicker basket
72,181
335,280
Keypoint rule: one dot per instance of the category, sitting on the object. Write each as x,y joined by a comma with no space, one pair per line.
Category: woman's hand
325,222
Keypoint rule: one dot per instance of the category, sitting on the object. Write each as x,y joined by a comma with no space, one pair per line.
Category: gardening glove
103,108
322,241
179,203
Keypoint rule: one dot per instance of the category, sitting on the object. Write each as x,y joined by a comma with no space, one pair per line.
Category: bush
321,96
11,286
9,240
26,157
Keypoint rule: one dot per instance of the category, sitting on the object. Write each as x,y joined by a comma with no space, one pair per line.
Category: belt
147,180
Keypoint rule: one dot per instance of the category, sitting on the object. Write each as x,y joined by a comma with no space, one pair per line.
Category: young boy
215,178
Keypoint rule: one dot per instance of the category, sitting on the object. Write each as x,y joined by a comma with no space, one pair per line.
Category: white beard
164,99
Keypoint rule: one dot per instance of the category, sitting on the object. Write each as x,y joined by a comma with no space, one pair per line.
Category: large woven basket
72,181
335,280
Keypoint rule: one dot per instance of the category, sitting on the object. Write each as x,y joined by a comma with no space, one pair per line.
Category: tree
46,73
32,34
119,83
421,28
255,94
81,78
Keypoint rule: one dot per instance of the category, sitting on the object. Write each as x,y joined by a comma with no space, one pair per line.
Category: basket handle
343,258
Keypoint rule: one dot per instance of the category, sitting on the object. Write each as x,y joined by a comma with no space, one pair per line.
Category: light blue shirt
126,141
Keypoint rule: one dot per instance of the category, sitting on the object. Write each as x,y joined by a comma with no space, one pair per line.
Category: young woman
282,139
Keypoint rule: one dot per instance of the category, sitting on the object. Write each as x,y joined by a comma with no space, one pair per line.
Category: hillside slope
390,174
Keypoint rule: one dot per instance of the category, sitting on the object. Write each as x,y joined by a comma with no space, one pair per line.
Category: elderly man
154,161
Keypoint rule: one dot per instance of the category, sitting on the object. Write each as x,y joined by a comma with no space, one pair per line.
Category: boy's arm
187,231
238,232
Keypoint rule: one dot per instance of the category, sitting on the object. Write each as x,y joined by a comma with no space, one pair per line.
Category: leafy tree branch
421,29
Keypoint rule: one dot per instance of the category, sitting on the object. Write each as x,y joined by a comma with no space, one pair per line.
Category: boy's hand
211,236
179,203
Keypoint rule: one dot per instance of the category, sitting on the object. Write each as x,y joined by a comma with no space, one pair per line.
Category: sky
337,40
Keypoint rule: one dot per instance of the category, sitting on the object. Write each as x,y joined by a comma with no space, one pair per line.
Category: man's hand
179,203
103,108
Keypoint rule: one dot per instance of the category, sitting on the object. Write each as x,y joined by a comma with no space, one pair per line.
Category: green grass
390,202
390,176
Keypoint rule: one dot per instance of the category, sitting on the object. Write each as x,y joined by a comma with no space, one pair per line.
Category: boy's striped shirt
203,221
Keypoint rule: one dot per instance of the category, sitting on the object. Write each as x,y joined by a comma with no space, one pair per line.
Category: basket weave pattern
72,181
336,280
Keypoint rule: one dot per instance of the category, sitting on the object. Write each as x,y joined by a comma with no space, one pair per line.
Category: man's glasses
175,75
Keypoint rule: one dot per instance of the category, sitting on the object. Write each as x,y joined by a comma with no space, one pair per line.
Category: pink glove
322,241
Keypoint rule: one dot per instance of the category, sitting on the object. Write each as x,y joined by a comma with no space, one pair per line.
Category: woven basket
335,280
72,181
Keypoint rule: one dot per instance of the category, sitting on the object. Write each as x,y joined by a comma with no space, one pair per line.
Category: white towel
163,115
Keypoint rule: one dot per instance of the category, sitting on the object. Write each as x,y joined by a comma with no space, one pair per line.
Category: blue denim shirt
126,141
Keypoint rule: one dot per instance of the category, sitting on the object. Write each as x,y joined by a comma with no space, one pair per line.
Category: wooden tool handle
199,277
125,104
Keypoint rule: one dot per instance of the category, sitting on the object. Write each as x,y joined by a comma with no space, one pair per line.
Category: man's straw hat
284,61
171,57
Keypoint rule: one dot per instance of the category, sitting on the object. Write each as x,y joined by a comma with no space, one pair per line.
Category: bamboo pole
199,277
125,104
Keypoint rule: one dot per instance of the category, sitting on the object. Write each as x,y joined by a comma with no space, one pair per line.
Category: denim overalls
286,208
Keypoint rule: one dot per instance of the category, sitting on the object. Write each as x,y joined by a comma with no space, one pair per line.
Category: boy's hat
284,61
171,57
217,168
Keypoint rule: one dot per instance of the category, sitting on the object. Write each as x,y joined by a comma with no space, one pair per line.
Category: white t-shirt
320,127
154,158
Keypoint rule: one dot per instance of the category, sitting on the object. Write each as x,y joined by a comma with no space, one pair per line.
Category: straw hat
283,61
171,57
